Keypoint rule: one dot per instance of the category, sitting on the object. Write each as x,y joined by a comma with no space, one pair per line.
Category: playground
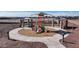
38,29
41,28
40,25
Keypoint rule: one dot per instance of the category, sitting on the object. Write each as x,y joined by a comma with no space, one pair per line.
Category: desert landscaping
39,31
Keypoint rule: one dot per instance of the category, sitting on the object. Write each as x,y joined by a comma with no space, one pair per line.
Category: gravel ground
7,43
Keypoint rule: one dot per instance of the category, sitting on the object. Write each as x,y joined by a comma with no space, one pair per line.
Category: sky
29,13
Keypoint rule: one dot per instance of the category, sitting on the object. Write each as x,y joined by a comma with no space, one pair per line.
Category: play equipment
38,26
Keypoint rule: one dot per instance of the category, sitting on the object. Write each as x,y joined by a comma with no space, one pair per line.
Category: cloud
29,13
65,13
16,13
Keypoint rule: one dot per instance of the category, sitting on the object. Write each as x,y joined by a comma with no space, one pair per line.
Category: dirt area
5,42
27,32
74,21
72,41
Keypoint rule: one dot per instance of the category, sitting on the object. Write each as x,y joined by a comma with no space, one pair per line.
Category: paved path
51,42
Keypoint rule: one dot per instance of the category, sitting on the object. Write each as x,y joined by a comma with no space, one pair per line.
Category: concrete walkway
51,42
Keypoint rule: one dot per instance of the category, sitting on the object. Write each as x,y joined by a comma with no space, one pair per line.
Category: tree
42,14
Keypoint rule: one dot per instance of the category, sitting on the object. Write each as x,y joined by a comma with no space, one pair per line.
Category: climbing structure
38,26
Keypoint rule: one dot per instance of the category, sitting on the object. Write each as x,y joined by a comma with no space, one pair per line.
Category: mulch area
5,42
27,32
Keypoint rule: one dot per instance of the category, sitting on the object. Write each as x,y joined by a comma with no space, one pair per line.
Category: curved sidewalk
51,42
